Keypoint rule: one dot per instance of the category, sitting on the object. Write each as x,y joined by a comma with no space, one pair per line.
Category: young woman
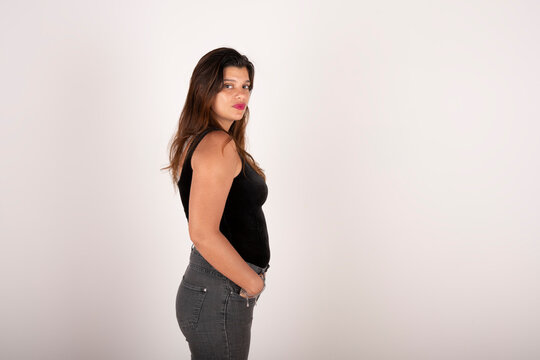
222,190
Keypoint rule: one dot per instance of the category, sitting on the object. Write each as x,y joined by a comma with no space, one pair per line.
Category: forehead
236,73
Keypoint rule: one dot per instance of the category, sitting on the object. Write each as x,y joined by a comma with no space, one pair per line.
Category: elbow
202,235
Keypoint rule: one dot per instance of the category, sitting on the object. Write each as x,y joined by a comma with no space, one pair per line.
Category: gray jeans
214,318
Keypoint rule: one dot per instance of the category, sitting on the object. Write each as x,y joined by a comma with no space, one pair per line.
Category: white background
401,145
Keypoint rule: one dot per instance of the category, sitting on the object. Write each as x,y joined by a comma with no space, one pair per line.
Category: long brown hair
206,82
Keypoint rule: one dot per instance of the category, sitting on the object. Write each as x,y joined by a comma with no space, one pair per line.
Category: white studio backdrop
400,143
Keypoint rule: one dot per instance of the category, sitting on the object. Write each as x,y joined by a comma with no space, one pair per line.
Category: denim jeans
214,318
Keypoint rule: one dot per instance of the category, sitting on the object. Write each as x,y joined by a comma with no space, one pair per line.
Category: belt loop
265,269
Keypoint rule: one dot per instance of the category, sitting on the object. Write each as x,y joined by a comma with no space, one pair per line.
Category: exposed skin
235,90
213,174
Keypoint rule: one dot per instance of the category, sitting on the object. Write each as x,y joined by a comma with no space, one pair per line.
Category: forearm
219,252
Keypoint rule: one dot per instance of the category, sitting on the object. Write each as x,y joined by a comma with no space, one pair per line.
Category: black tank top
243,222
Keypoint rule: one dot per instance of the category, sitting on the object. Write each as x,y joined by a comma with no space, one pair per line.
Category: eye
245,86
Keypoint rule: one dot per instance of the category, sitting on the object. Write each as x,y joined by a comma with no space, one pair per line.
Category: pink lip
240,106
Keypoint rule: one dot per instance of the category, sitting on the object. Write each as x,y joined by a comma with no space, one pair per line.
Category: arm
214,168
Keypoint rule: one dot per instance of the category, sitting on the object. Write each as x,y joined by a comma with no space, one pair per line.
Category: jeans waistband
197,259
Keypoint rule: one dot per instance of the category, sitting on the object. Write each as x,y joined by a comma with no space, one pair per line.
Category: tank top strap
198,139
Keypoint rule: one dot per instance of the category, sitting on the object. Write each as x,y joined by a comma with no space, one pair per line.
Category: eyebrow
235,80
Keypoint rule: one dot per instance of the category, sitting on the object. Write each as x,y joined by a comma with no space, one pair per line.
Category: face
231,102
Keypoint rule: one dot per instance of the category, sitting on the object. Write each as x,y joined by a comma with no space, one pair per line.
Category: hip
200,271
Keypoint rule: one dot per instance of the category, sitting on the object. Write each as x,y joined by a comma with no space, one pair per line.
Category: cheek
221,101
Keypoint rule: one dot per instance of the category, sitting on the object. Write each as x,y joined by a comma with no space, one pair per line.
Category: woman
222,190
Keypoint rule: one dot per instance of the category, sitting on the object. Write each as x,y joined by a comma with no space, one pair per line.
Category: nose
242,94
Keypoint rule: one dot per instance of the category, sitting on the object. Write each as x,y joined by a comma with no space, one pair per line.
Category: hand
262,276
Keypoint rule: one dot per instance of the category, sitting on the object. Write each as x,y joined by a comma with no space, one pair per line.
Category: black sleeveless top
243,222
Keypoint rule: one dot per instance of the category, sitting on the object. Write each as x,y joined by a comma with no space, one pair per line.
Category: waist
196,258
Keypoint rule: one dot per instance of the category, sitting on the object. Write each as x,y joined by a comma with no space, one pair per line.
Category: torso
243,222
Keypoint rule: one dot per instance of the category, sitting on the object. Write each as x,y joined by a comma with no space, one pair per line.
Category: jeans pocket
236,297
189,303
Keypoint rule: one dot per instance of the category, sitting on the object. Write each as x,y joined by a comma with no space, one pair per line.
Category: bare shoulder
216,152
